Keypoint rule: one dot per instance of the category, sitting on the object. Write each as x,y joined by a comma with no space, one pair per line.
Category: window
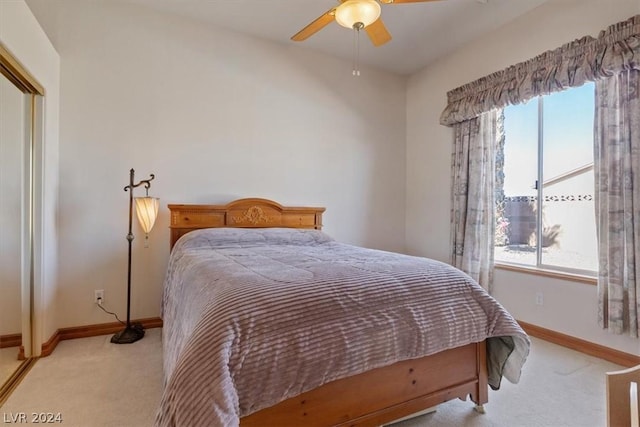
545,214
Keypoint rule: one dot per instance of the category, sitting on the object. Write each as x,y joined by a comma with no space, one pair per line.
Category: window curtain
612,60
473,197
617,177
571,65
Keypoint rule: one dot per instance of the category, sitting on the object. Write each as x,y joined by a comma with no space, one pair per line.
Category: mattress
255,316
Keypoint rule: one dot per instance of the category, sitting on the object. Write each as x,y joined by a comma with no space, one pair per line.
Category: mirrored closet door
12,137
17,120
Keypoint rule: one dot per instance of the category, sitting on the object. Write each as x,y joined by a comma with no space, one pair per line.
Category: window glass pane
515,213
568,223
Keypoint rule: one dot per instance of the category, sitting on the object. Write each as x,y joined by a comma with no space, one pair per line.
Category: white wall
215,116
21,34
569,308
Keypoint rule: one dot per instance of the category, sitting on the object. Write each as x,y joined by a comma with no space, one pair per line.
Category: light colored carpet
8,362
558,388
92,382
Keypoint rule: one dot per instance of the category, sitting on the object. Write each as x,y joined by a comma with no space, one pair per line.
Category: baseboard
583,346
586,347
92,331
12,340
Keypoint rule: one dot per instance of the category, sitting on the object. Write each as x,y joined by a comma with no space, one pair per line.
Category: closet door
18,95
12,222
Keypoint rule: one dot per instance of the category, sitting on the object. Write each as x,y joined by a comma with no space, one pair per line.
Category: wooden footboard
385,394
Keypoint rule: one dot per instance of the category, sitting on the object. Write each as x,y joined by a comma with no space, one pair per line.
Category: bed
270,322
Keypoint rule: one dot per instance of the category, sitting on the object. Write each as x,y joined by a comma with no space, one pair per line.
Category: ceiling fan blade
405,1
315,26
378,33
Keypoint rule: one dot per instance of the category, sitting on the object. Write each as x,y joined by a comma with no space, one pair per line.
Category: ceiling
421,32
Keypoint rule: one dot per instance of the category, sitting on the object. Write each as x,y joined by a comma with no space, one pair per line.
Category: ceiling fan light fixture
354,12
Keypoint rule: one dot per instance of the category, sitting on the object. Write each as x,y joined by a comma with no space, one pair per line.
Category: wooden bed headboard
245,213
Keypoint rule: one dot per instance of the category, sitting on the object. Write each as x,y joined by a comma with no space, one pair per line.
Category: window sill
581,278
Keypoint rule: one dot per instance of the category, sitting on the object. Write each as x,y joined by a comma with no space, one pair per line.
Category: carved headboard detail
254,215
244,213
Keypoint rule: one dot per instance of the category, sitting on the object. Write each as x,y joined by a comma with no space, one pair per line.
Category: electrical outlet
98,297
539,298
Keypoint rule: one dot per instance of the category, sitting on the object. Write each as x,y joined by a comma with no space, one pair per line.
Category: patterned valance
587,59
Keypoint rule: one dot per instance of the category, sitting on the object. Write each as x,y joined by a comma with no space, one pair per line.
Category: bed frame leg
481,395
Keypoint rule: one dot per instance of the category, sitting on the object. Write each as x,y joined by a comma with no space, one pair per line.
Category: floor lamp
147,210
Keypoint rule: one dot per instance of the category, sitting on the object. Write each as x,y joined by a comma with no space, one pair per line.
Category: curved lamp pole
147,210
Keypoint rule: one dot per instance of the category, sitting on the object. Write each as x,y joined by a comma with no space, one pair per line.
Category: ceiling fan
356,14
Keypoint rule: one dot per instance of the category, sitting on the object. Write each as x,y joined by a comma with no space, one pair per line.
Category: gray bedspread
255,316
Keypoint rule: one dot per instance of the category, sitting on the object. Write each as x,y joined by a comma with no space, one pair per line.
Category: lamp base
131,333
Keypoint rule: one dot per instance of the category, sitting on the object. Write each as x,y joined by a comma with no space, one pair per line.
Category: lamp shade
147,210
352,12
